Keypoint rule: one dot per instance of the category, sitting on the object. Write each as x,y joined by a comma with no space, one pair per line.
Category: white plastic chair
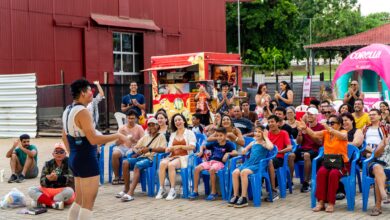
120,118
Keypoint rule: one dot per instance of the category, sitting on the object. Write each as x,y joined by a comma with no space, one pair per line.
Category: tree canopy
275,31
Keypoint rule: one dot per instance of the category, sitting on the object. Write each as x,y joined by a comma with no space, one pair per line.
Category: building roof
379,35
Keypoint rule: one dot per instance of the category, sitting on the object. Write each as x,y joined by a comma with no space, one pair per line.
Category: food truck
176,79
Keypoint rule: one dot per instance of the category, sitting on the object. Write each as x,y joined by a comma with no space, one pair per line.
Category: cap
152,120
59,146
312,111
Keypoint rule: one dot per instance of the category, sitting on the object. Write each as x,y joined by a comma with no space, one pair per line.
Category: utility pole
238,27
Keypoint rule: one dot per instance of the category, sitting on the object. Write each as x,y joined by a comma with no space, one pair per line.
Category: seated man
134,132
197,127
142,158
57,182
308,150
23,160
220,150
380,170
242,123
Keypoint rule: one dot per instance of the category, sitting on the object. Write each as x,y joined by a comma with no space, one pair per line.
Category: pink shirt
137,132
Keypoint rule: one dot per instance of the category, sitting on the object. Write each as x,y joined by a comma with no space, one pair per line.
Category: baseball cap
312,111
59,146
152,120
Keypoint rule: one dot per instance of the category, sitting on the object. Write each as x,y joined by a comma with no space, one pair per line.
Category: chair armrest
314,163
233,163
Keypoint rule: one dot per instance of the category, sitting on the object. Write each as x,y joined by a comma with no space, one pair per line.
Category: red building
86,38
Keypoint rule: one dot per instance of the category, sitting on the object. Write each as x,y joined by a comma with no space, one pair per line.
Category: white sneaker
171,194
120,194
161,193
127,198
58,205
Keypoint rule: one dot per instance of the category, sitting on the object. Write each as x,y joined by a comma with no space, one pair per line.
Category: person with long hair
345,108
291,120
210,129
355,135
335,141
80,139
285,97
163,121
261,97
181,143
233,134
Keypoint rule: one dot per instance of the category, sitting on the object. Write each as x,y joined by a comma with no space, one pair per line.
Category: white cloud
373,6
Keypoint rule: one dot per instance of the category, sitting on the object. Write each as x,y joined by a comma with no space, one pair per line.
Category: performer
80,139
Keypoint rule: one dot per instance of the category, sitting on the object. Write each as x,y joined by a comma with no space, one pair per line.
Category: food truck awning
116,21
168,67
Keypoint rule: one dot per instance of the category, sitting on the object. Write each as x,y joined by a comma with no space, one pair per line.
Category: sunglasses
353,84
59,152
331,123
326,112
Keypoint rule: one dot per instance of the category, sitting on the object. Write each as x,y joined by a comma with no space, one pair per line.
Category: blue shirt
243,124
126,100
218,151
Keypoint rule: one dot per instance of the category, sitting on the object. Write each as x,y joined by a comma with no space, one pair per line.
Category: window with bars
127,53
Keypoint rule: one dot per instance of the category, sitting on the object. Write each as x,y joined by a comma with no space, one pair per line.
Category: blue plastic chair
222,174
101,164
247,141
367,181
358,176
283,174
110,171
255,179
348,181
184,173
200,140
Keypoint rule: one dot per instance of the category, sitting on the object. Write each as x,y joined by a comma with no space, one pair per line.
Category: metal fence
53,99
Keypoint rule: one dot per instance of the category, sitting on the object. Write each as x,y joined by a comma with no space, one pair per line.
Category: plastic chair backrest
352,150
248,140
120,118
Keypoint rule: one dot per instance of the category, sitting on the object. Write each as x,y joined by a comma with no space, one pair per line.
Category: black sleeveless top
352,100
351,134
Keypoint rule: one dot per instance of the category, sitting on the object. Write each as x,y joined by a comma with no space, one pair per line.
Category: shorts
299,154
32,173
212,164
378,163
277,162
122,149
140,162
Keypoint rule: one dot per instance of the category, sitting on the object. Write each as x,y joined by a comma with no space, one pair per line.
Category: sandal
121,181
329,209
318,208
115,181
375,211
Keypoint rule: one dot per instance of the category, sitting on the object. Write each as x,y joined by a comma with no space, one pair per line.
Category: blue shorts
140,162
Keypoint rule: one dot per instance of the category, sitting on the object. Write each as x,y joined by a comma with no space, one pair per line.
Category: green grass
297,71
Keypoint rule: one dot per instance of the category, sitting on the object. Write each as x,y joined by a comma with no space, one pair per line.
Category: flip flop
329,209
375,211
121,181
318,208
115,181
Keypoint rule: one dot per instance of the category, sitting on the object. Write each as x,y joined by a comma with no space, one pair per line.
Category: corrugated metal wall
18,105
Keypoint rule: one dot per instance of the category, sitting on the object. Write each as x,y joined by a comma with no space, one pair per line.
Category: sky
372,6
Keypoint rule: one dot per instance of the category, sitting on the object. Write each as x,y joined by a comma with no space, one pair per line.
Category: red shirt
281,140
307,141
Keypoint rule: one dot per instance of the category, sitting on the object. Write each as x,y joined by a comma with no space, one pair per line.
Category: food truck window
223,73
175,82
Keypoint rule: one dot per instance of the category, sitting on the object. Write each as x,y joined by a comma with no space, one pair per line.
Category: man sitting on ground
57,182
23,160
153,142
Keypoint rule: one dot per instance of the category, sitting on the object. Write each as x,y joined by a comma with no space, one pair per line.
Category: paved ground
296,206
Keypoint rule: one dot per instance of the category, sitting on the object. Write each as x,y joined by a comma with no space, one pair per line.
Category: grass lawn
298,71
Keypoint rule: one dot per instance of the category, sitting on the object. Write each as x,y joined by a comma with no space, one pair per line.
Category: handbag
333,161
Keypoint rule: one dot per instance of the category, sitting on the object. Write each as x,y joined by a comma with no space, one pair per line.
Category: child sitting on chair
259,150
220,151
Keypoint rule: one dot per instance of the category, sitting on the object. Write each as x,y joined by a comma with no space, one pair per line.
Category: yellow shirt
362,121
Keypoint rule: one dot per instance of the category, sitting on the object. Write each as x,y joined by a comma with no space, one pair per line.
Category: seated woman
355,135
233,134
335,142
259,149
210,129
181,143
380,170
